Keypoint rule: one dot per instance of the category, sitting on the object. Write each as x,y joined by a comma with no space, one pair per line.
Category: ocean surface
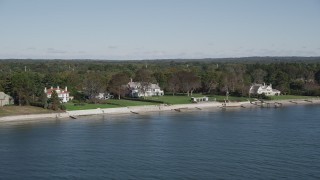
282,143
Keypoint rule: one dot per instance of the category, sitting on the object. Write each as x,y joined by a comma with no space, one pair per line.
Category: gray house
151,90
5,99
263,89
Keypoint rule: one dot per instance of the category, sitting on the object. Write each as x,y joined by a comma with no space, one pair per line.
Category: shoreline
159,108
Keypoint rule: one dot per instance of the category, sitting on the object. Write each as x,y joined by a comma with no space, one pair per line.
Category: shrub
263,96
63,107
37,104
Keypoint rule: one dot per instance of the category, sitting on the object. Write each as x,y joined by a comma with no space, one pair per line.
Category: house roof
137,84
3,95
276,91
255,87
133,84
62,91
155,86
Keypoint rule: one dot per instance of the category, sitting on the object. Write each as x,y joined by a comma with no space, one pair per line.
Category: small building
199,99
5,99
135,89
104,96
63,94
257,89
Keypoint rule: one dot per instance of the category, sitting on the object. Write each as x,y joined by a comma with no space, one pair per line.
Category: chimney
45,89
51,87
66,89
130,79
58,87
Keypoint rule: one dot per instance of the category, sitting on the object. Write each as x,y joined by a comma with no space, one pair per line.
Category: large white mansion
152,90
63,94
256,89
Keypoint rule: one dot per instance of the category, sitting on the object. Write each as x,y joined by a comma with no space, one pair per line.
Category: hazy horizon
164,59
148,30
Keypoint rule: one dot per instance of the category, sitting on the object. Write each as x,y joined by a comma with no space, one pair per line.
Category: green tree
44,99
118,84
145,78
317,76
93,85
54,101
23,87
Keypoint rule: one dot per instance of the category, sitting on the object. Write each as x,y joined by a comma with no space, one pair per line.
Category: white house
151,90
5,99
63,94
256,89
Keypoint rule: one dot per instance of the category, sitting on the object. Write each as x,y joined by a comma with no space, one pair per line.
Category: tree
54,101
209,80
23,87
117,84
144,76
8,88
281,81
44,99
173,84
258,75
184,81
93,85
161,78
317,76
190,82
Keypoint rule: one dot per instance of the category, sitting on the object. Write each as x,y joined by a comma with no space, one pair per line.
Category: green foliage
263,96
117,84
79,96
37,104
317,76
290,75
54,101
62,107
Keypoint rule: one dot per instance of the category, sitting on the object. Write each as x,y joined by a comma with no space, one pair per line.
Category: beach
162,107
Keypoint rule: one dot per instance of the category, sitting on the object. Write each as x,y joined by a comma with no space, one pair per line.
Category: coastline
159,108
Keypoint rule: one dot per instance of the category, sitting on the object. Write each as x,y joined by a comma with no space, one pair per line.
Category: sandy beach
162,107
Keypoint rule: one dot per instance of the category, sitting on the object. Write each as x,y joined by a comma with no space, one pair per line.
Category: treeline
25,80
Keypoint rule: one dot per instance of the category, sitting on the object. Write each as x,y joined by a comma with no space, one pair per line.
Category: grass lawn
168,99
177,99
113,103
22,110
285,97
231,98
184,99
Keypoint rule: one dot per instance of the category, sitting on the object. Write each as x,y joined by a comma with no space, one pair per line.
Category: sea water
237,143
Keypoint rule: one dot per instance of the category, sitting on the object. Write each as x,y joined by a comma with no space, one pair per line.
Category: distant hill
254,59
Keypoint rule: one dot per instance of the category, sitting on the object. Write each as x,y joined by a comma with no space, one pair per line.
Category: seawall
152,108
98,111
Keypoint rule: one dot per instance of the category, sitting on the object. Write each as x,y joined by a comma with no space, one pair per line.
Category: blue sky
158,29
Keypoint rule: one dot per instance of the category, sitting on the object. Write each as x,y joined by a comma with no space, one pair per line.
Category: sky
158,29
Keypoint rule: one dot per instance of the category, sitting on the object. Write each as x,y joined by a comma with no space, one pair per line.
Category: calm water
232,144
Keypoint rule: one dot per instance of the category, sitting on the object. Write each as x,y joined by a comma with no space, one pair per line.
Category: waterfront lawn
184,99
230,98
168,99
112,103
288,97
176,99
22,110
